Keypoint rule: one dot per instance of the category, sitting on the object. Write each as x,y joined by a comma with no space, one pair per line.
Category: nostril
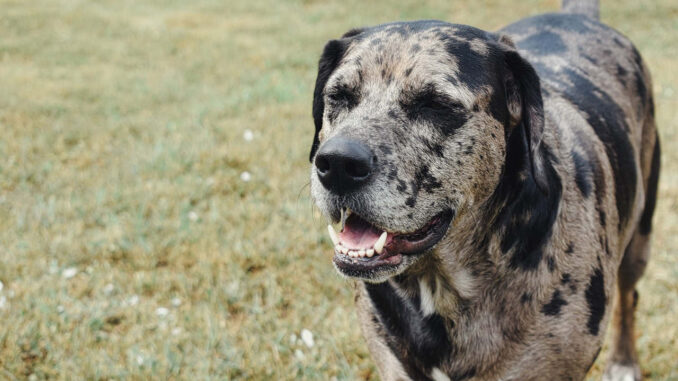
322,164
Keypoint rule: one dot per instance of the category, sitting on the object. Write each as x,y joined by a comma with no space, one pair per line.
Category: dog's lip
397,246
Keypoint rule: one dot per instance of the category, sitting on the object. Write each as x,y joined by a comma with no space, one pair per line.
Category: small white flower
108,289
245,176
60,308
1,285
299,354
293,339
193,216
176,302
162,311
69,272
140,360
3,302
248,135
176,331
307,338
133,300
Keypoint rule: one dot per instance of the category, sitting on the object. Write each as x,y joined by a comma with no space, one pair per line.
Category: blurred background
155,219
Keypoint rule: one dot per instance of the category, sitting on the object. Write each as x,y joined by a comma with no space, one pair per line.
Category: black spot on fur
570,248
544,43
595,299
422,180
420,342
582,175
551,263
410,201
607,120
602,217
565,278
471,70
402,186
408,71
526,298
645,225
435,147
553,307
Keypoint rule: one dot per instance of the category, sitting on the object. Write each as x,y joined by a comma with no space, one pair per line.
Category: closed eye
342,96
432,106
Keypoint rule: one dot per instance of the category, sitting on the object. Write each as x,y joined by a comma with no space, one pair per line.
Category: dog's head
413,122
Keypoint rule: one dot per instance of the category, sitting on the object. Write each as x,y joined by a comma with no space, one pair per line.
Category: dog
495,192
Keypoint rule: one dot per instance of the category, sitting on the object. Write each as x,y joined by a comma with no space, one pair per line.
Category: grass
130,246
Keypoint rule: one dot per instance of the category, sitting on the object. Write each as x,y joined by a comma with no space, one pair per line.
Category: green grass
121,157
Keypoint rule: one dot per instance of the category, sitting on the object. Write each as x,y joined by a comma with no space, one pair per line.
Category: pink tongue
358,234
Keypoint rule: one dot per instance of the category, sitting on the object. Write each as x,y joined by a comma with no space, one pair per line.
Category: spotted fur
540,139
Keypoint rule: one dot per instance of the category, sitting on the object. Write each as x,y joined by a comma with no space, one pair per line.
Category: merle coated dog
495,192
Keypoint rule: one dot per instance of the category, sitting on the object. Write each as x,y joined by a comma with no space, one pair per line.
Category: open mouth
361,246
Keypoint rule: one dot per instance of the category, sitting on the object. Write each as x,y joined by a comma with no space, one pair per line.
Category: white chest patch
426,296
438,375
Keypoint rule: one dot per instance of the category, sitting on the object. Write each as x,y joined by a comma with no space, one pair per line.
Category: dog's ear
329,60
525,107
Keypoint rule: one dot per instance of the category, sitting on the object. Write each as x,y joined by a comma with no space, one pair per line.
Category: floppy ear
329,60
526,109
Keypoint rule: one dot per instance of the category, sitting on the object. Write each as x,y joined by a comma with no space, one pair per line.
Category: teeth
345,212
379,245
356,253
333,235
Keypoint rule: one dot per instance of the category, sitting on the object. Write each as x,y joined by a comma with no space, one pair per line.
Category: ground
155,219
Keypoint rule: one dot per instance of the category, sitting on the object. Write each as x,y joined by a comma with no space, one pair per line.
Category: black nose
343,165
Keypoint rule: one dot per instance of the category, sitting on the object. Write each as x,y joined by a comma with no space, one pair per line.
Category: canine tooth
369,252
333,235
345,212
379,245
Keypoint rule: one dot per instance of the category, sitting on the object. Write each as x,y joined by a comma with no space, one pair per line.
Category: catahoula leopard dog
494,193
